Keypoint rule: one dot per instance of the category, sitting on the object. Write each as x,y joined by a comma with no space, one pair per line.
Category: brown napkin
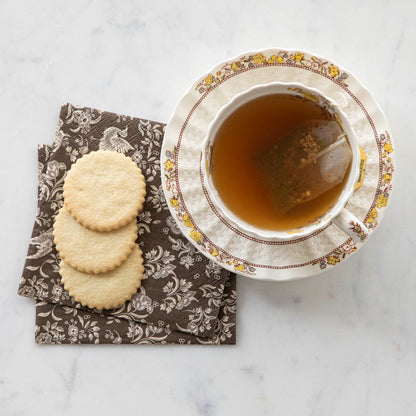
184,298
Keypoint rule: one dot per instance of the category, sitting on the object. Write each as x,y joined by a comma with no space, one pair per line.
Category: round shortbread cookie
92,251
105,290
104,190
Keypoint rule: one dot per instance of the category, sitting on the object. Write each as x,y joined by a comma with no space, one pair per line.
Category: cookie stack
96,229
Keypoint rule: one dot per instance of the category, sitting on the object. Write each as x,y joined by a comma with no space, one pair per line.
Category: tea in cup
281,161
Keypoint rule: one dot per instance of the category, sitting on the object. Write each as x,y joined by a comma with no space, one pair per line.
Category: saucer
190,204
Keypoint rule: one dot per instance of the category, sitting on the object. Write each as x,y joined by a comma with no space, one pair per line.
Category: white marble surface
343,343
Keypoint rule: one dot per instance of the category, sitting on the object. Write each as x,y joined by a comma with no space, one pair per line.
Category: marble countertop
342,343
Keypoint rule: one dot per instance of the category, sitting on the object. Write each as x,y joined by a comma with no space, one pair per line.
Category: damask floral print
200,320
151,133
51,319
113,336
213,294
43,219
82,326
60,137
41,278
57,292
51,184
150,335
52,333
114,139
172,226
42,244
157,198
141,302
148,157
159,263
83,118
178,294
213,269
144,220
74,153
187,253
149,164
224,328
229,303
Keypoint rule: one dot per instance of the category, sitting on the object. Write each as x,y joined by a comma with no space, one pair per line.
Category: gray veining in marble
343,343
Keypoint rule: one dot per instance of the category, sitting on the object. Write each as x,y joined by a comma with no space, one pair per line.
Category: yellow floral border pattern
331,259
280,58
318,65
385,186
183,217
382,196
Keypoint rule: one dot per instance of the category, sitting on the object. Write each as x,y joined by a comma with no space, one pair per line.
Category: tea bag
306,163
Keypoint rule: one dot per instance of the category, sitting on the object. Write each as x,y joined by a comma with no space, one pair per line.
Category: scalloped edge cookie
91,251
104,190
105,290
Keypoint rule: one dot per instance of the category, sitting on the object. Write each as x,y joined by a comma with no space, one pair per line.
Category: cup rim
266,234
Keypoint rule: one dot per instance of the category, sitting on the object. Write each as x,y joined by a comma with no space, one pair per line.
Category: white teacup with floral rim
338,214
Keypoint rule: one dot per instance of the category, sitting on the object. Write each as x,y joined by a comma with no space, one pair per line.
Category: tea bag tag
326,132
334,163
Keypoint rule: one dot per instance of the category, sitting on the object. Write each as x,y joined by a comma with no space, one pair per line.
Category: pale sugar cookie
92,251
105,290
104,190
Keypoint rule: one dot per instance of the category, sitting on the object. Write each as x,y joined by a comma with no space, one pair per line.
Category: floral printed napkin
184,298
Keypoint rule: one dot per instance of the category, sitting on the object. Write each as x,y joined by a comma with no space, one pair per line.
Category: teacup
338,214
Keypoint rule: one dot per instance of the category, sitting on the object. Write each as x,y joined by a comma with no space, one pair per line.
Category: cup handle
348,223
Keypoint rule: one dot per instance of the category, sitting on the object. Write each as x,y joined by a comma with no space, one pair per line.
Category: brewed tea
279,162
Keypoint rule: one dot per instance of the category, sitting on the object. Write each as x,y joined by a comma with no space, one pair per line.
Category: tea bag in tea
306,163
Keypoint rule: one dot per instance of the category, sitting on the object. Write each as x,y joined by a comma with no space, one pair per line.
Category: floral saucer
189,201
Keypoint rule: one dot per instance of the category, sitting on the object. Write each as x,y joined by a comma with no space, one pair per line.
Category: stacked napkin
184,297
